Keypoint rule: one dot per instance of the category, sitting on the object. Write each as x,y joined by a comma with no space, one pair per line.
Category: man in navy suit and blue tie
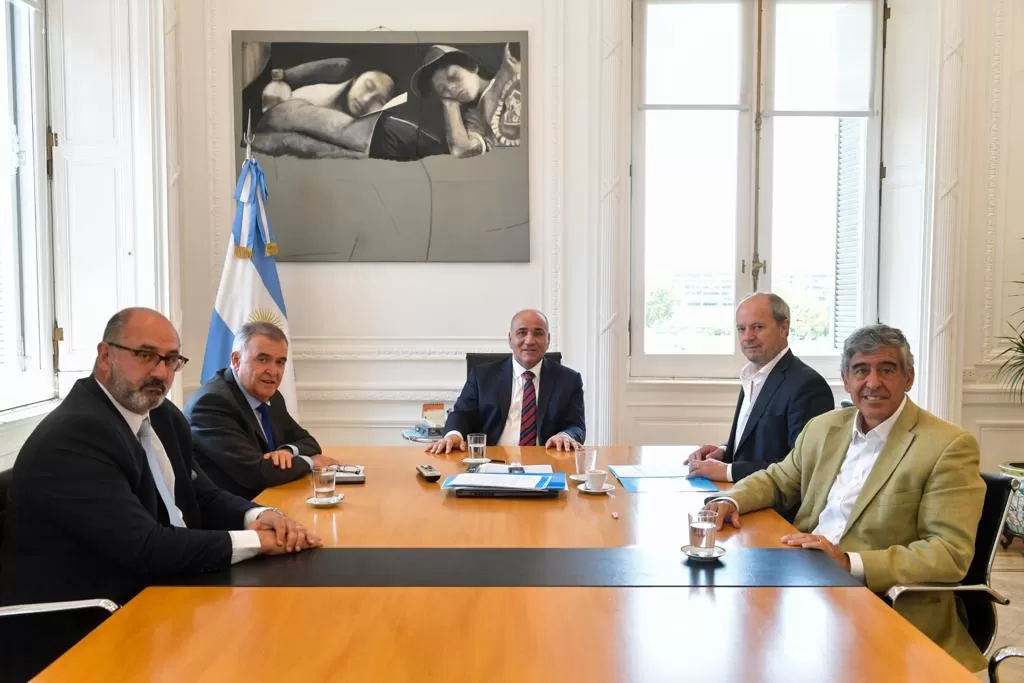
779,393
525,400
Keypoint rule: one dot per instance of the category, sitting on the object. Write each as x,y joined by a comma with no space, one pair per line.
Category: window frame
749,234
38,384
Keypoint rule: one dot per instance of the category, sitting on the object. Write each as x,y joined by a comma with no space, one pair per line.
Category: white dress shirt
752,379
860,459
244,543
510,434
254,403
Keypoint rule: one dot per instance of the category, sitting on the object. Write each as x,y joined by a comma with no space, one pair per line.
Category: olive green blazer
914,521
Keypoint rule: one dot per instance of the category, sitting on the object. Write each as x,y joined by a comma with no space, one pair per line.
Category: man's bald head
128,358
528,337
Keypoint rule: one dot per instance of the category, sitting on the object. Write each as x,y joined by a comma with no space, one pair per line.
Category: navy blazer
232,442
84,519
792,394
485,399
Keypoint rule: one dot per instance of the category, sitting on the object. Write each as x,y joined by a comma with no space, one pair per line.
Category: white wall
373,341
994,254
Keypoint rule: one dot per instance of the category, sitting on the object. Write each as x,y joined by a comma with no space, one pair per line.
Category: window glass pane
690,196
25,368
693,53
823,56
818,216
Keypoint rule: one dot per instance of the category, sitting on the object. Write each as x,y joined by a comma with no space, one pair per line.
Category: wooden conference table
498,632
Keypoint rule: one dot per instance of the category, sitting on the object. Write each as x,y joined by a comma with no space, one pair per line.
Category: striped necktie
528,422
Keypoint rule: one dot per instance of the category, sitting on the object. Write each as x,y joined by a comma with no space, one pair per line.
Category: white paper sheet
496,481
642,471
498,468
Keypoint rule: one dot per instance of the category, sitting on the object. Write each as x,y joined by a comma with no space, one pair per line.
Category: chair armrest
898,590
63,606
998,656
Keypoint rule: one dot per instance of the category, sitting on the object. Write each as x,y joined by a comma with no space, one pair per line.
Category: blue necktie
264,410
151,444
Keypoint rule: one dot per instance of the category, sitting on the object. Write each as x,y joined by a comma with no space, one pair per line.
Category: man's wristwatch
278,511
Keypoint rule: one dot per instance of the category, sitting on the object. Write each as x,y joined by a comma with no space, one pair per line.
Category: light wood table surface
506,633
518,635
396,508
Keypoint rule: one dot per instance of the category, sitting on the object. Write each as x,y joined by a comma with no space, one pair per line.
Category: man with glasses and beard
105,497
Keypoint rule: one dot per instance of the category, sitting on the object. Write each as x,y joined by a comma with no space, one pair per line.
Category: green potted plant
1011,371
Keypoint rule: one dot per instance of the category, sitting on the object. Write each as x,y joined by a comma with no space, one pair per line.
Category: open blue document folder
652,478
554,481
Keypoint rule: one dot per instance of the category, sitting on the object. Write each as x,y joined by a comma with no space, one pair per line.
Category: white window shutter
93,201
849,219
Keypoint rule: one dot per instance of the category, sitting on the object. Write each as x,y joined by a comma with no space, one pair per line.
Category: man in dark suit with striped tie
525,400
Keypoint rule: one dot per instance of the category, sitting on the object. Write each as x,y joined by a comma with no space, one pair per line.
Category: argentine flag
249,289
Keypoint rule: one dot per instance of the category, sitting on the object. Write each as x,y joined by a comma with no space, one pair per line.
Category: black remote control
428,472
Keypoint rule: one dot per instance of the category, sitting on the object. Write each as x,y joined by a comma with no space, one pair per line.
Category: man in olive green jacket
888,490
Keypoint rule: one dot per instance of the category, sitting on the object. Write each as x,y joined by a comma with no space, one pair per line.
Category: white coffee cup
596,479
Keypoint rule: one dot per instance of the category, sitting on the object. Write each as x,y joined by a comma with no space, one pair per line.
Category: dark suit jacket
232,442
792,394
84,519
484,402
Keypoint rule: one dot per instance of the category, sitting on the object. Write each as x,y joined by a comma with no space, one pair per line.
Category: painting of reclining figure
387,145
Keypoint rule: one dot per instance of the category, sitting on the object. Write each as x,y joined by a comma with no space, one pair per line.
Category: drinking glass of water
477,445
323,483
702,532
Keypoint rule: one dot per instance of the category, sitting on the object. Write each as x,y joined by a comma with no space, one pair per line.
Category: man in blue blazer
525,400
779,393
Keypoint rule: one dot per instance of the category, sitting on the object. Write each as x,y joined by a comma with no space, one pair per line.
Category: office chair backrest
475,359
5,483
990,527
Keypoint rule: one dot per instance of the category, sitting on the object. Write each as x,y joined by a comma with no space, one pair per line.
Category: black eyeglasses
173,362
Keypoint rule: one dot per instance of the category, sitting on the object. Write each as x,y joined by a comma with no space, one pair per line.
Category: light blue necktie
151,444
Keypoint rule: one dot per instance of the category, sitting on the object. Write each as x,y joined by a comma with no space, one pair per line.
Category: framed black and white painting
389,145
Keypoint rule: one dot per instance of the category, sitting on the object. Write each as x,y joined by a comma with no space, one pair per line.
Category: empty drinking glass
586,460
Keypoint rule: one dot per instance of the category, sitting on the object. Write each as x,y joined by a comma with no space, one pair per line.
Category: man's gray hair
780,309
257,329
871,339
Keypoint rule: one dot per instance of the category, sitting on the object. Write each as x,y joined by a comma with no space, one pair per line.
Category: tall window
26,319
755,166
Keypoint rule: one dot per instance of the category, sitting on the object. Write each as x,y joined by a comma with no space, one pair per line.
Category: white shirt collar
253,401
748,373
134,420
518,370
883,429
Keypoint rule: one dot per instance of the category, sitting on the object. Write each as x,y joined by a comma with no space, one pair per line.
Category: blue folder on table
474,485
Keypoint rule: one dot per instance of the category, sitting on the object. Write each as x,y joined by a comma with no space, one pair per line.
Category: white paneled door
93,197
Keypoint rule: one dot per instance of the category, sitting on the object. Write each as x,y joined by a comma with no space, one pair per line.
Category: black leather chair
977,597
19,665
475,359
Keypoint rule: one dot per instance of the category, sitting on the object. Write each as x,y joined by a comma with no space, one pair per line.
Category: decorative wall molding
216,99
945,312
365,394
992,289
393,348
553,166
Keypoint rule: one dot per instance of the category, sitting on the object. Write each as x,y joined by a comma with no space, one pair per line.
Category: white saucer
578,477
475,461
715,554
325,502
582,488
